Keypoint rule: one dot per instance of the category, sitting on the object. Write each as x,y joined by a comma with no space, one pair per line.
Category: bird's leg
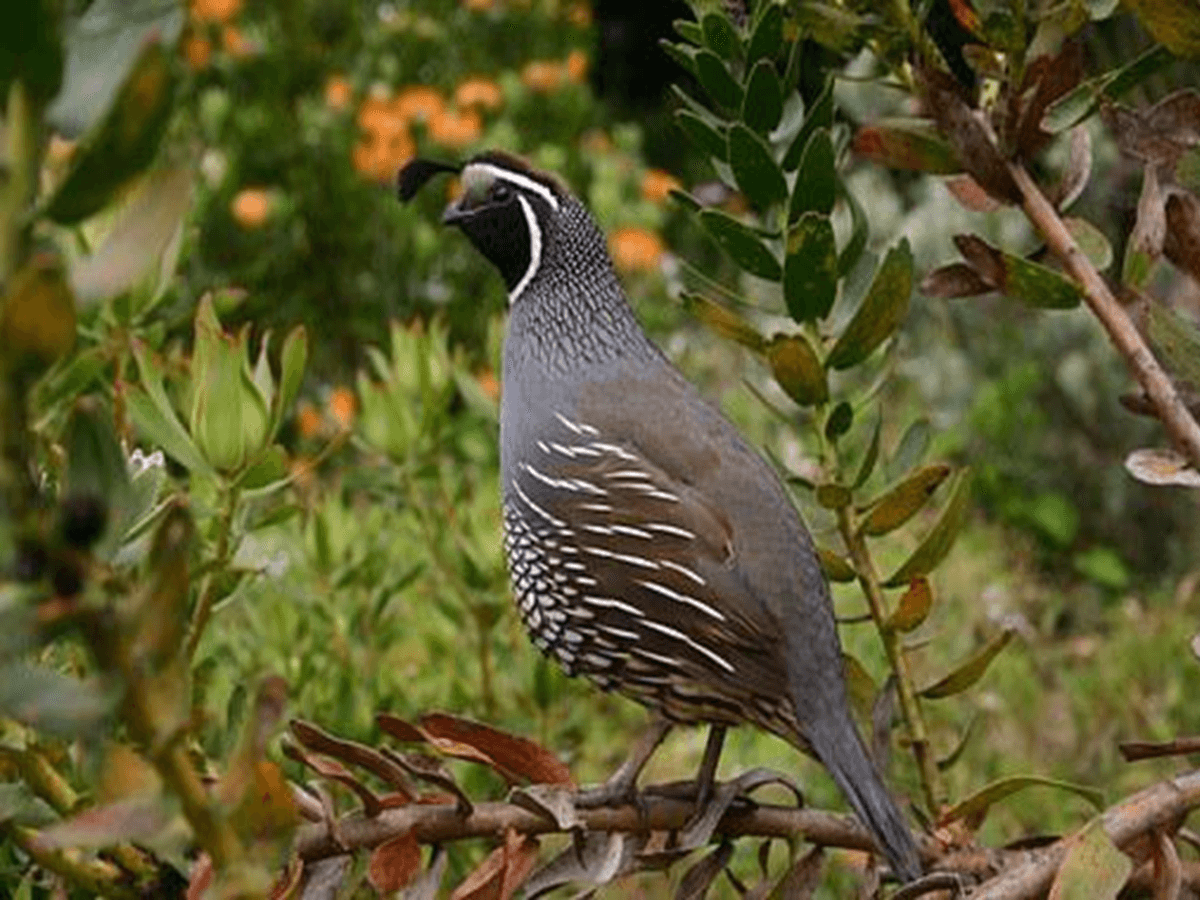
708,766
621,786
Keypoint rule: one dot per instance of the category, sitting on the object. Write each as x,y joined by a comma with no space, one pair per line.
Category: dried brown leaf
509,752
970,195
1159,135
395,863
336,772
1079,169
500,875
1162,467
430,770
1181,243
1149,231
1046,79
981,256
801,880
953,281
699,878
353,753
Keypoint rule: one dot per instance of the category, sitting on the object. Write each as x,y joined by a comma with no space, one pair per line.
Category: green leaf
810,271
819,116
881,312
796,367
155,417
292,361
913,608
1173,23
763,106
833,496
683,54
816,180
742,244
1091,241
20,805
706,137
103,46
756,172
32,49
724,321
937,543
1039,285
872,454
913,144
977,805
1094,868
1071,109
717,81
902,502
1176,340
835,566
911,448
688,30
839,421
859,232
768,34
52,702
138,244
123,143
1102,566
720,36
970,671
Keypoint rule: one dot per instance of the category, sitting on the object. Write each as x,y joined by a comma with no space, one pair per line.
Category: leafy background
353,545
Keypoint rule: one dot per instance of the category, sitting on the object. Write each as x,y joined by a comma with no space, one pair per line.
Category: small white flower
139,462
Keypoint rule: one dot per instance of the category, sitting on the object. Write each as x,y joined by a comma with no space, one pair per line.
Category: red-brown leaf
954,280
335,771
394,863
201,877
354,753
399,728
1182,243
509,752
970,195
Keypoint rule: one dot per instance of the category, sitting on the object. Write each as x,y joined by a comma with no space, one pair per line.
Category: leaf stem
208,588
910,707
94,876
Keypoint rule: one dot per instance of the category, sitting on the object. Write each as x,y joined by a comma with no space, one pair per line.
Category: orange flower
481,92
635,249
455,129
251,207
338,92
595,140
215,10
197,51
580,15
543,76
657,185
308,420
236,44
376,116
577,66
488,383
342,406
418,102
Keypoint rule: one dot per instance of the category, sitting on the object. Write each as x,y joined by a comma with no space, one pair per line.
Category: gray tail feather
843,753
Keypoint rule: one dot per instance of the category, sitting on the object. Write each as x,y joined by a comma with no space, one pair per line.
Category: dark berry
30,560
66,579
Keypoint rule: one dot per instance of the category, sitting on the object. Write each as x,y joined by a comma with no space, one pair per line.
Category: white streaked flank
611,603
680,636
682,570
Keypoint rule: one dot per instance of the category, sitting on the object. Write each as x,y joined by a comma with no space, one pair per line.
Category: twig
94,876
1141,362
1156,807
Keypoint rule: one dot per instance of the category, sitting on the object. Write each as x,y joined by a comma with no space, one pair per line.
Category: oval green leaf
937,543
720,36
872,455
1038,285
833,496
756,172
970,671
683,54
835,566
724,321
816,180
820,115
763,106
796,367
903,501
742,244
810,272
881,312
768,34
839,421
702,134
716,80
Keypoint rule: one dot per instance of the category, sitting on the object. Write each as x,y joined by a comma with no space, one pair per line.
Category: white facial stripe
535,249
521,181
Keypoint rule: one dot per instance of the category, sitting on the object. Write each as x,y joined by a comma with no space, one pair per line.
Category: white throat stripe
535,249
521,181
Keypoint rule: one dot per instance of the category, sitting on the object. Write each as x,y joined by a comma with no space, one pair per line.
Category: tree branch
1141,362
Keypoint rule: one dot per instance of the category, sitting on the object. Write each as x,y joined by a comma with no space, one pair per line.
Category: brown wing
626,574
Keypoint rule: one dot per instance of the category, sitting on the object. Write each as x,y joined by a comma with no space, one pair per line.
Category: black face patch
498,229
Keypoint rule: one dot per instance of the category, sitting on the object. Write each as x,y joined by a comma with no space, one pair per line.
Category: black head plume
414,175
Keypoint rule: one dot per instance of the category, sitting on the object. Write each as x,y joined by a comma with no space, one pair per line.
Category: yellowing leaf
795,366
976,806
914,606
1094,869
941,537
903,501
965,675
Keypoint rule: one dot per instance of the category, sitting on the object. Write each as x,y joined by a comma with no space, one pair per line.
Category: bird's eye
501,191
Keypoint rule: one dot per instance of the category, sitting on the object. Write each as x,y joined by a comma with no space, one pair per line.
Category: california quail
650,548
